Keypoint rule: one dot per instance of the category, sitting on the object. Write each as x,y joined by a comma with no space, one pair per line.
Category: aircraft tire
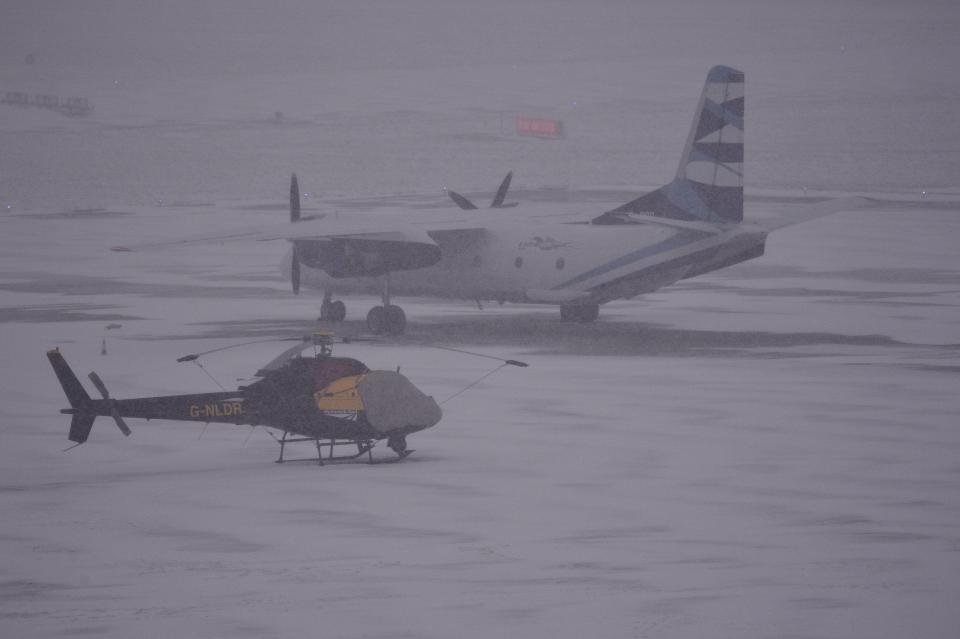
396,320
590,313
338,311
377,320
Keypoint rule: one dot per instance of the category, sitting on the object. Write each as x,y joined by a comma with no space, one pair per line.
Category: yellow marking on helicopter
340,398
225,409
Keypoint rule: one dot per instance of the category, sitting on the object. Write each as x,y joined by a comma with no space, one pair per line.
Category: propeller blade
461,201
99,384
502,192
295,270
294,199
122,425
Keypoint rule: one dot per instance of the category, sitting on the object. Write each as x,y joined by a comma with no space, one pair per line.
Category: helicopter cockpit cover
392,402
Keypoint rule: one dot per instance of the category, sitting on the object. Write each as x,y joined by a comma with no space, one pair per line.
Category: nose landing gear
332,311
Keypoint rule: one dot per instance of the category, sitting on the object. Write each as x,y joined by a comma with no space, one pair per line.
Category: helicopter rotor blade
305,341
193,356
506,362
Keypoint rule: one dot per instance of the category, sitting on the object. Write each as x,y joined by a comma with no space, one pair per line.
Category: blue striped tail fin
708,185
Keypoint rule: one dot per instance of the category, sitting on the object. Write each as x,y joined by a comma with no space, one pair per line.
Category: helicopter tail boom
225,407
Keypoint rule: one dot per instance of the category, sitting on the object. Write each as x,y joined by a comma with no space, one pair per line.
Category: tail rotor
83,409
122,425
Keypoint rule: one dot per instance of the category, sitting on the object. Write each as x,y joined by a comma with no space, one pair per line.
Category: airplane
690,226
331,401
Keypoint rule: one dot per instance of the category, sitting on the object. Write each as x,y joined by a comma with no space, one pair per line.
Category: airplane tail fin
708,185
82,421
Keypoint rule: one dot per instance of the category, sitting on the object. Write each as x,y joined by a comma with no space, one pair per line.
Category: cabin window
518,262
560,263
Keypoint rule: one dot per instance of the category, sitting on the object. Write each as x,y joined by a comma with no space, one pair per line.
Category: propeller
501,195
498,199
461,201
122,425
294,217
295,270
294,199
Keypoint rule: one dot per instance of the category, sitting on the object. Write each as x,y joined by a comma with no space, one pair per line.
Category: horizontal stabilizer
815,211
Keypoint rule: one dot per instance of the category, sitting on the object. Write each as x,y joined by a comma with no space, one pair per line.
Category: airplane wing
409,229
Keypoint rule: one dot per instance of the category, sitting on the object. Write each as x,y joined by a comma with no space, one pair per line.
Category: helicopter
331,401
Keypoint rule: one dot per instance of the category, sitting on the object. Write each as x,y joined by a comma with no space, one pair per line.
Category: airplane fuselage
559,263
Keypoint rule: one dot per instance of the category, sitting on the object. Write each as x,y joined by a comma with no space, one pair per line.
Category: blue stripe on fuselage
684,236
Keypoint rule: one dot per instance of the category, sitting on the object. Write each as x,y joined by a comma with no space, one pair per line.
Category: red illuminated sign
541,127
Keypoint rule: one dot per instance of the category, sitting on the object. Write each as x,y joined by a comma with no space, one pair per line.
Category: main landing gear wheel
333,311
388,319
579,312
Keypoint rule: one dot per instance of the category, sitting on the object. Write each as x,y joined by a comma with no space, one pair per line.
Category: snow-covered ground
768,451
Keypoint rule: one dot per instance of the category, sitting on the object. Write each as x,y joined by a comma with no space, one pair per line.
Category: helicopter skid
392,460
363,446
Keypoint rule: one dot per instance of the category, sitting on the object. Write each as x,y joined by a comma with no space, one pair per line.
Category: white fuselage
521,259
